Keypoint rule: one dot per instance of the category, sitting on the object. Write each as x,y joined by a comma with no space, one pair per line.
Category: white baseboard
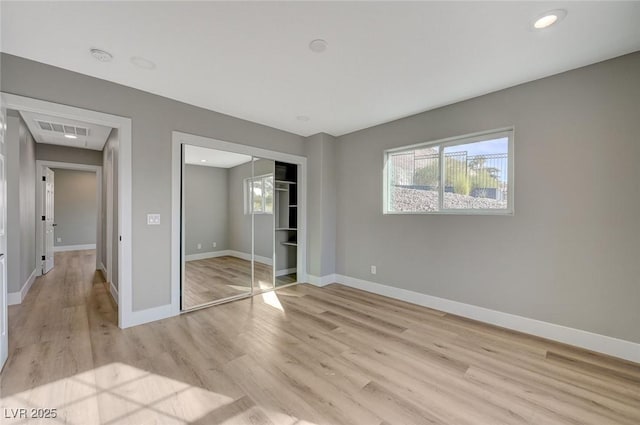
231,253
103,269
14,298
149,315
205,255
247,256
63,248
112,289
591,341
321,280
286,271
114,292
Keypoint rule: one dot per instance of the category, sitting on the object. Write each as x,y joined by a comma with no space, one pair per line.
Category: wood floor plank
212,279
302,355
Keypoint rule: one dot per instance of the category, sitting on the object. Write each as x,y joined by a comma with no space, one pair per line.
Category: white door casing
109,213
48,216
4,331
126,315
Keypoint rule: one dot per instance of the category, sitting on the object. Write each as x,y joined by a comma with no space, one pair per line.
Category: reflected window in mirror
259,195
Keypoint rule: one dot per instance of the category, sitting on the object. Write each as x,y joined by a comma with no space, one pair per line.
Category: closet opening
240,222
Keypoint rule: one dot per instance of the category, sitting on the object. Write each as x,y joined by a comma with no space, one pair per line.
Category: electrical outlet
215,244
373,270
153,219
58,240
199,246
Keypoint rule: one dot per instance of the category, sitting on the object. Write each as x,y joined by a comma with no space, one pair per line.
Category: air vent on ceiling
45,125
63,128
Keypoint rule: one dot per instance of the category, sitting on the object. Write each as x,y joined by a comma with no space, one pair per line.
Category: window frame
507,132
248,194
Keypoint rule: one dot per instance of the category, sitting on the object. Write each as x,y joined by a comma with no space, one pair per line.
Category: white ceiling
95,139
385,60
197,155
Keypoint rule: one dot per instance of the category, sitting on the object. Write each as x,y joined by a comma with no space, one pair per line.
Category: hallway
49,335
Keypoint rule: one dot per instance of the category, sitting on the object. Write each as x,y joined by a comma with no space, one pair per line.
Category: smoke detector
318,46
101,55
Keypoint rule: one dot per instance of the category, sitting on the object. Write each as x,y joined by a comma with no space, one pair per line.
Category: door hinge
120,238
44,178
44,258
44,218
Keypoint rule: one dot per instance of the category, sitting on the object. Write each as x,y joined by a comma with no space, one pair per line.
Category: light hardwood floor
303,355
216,278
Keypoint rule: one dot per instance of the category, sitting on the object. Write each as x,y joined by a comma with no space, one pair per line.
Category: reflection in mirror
216,232
262,208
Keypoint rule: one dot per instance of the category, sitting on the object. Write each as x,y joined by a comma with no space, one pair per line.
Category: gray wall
206,196
569,255
75,207
110,163
153,118
68,154
240,223
21,202
322,204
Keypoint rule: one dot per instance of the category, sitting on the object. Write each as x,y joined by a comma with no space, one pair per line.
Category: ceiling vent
63,128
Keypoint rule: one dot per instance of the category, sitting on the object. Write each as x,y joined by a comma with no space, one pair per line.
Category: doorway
71,217
122,199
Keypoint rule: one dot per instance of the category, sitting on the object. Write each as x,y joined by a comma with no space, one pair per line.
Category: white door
47,215
4,332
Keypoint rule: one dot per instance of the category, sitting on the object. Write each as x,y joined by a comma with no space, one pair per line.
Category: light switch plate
153,219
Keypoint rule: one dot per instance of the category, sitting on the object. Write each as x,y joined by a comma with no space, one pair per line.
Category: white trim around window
440,146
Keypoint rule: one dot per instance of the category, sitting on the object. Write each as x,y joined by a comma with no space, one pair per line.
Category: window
460,175
259,195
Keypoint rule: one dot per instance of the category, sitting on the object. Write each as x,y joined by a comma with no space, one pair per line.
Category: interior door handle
54,224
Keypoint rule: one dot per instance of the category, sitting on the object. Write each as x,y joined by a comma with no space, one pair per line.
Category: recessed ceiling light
318,46
142,63
303,118
203,160
101,55
549,18
70,136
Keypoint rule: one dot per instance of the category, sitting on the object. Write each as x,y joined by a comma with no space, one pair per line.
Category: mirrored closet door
239,225
262,198
214,225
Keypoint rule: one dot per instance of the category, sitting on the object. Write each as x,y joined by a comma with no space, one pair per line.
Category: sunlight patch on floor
116,394
240,288
264,284
271,299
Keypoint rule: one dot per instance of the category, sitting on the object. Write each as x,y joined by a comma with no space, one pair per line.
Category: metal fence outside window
482,176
